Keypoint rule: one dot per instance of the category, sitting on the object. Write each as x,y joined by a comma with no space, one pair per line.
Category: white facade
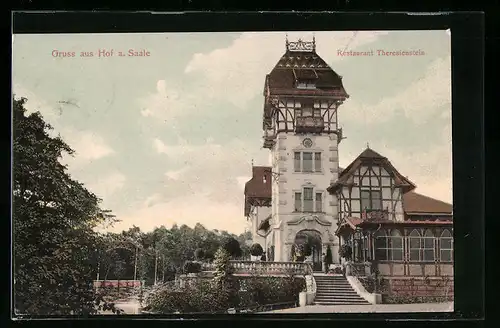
318,214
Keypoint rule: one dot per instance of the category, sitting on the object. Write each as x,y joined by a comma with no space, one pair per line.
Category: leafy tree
54,257
224,281
256,250
232,246
329,256
199,254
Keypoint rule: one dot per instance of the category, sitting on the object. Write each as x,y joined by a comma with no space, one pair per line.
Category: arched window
381,246
446,246
415,245
428,246
396,245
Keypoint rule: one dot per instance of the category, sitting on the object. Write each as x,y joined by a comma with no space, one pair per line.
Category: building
304,195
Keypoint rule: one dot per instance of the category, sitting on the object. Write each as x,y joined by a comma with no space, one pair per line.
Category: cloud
420,101
88,145
175,175
236,73
430,170
217,170
184,210
242,181
108,185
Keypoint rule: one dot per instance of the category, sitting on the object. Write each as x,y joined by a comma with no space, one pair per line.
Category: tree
199,254
232,246
224,281
329,256
53,215
256,250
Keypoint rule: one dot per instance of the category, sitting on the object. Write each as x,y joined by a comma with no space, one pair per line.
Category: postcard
252,172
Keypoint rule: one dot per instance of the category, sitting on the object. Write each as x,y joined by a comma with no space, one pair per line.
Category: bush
199,254
329,256
232,246
270,290
256,250
191,267
346,252
205,296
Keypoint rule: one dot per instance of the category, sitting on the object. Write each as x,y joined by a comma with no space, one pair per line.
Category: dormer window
305,78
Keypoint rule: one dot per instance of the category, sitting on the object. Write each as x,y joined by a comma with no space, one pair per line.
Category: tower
301,97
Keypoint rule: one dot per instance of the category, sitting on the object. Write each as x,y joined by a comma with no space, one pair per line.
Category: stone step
334,288
333,292
340,290
342,303
332,284
324,296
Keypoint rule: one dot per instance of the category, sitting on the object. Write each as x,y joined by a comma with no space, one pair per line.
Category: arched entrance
312,238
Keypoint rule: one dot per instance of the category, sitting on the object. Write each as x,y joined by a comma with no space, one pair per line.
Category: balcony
309,124
375,215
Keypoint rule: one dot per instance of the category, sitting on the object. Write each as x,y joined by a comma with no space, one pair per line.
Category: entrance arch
313,238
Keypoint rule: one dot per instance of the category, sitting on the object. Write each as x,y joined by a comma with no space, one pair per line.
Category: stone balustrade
265,268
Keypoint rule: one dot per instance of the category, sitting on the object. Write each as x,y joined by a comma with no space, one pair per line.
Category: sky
170,137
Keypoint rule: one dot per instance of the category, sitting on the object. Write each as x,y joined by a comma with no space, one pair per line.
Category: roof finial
252,162
286,41
367,145
314,42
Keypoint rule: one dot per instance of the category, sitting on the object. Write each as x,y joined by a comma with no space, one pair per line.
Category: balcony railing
309,124
265,268
375,215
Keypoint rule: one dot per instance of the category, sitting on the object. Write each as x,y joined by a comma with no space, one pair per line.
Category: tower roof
301,62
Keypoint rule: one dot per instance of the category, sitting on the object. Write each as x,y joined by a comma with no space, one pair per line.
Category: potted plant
256,251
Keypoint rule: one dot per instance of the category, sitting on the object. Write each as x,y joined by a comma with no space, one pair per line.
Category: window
317,162
308,199
421,247
298,202
319,202
396,244
371,199
446,246
296,162
317,112
306,162
428,246
415,245
306,85
389,248
381,246
298,112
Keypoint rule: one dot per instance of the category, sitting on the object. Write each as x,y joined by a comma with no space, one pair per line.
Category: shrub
206,296
268,290
232,246
224,281
329,256
199,254
346,252
256,250
192,267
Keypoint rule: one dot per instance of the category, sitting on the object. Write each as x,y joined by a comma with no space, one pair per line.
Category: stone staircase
336,290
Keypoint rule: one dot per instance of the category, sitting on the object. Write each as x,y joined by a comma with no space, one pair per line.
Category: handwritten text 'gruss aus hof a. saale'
101,53
380,53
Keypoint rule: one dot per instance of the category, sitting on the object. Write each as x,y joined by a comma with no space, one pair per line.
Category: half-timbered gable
371,187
